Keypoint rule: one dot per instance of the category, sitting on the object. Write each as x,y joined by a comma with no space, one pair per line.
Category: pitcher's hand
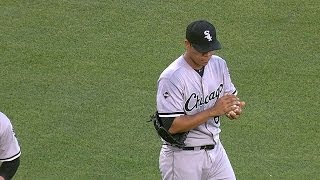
234,114
225,104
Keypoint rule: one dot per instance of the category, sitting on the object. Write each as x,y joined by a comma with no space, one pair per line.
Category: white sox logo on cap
202,35
208,36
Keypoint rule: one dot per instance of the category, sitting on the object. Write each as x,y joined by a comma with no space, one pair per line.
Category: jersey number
216,119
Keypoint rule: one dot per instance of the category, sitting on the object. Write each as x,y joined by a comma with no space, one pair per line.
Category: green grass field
78,80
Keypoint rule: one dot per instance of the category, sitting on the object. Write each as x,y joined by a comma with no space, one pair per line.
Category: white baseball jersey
9,147
182,91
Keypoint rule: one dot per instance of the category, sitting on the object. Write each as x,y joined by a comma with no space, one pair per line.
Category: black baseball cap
202,36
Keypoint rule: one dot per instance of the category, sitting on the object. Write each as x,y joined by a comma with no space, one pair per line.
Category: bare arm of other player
225,104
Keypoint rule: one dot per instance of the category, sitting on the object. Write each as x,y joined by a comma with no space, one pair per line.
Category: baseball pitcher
193,93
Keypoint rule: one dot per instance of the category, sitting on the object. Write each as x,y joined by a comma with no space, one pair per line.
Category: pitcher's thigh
222,168
181,165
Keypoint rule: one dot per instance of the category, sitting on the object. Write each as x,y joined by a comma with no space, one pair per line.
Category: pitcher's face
198,59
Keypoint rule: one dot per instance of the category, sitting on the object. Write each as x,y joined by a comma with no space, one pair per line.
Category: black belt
206,147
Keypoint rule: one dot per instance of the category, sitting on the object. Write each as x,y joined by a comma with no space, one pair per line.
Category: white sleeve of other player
9,147
229,87
169,98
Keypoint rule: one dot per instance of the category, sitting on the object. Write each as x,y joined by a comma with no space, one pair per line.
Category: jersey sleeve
169,98
9,147
229,87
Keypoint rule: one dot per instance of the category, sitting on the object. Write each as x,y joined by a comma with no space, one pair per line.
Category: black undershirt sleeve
167,122
9,168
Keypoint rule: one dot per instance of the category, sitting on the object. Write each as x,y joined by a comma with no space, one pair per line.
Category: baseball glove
174,139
